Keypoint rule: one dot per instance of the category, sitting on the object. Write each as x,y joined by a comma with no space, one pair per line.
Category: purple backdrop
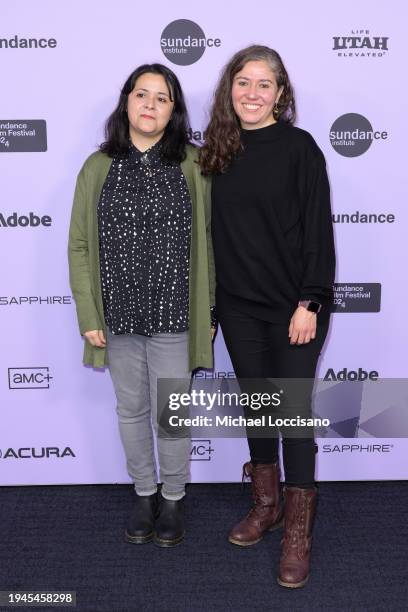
62,65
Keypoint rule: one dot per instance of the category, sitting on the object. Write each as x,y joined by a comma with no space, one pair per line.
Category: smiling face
254,94
149,109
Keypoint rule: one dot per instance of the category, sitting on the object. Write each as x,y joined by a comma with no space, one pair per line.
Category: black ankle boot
169,527
140,525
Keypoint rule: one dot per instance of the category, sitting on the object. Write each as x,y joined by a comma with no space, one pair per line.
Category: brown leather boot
300,509
267,511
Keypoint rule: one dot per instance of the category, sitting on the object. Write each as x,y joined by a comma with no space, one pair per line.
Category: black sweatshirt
272,227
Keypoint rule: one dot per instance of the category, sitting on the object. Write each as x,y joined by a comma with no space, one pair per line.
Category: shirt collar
264,134
150,157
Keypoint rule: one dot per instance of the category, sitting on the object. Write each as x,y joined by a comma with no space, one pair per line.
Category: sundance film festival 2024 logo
360,43
183,42
23,135
356,297
352,135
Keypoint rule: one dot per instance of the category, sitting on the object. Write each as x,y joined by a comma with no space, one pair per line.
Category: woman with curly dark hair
274,259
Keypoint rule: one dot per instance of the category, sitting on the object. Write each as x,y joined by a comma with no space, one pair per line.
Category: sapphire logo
29,378
183,42
358,448
38,300
214,375
352,135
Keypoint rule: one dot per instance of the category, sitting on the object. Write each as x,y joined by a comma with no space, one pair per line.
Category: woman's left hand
302,327
213,332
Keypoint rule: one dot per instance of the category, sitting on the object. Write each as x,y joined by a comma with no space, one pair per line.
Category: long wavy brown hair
222,137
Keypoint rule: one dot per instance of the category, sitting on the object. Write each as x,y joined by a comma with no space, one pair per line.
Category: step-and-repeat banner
62,65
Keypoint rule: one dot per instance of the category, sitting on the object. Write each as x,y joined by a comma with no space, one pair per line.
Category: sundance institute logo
183,42
352,135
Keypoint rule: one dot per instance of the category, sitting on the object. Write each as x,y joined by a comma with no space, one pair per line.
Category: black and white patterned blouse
144,221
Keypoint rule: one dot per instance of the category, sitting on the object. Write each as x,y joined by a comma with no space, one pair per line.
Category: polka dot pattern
144,221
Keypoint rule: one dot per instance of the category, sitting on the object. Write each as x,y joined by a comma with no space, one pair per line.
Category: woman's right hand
96,338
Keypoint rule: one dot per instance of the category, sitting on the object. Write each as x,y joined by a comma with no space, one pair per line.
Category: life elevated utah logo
183,42
352,135
359,43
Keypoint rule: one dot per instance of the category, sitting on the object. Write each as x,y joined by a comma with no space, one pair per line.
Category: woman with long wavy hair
274,259
141,273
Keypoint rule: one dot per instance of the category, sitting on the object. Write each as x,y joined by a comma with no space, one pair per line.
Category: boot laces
257,488
295,531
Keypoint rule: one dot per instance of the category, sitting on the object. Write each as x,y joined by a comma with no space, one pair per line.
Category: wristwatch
310,305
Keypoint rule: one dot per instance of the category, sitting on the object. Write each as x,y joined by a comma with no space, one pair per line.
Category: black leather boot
169,527
139,529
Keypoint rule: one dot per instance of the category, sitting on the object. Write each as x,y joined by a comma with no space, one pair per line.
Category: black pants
259,349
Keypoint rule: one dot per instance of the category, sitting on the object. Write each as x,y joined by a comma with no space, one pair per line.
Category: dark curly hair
175,137
222,136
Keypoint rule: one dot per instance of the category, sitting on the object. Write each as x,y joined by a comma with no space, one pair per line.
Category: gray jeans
135,364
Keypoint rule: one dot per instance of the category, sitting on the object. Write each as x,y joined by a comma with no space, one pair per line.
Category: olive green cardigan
83,254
